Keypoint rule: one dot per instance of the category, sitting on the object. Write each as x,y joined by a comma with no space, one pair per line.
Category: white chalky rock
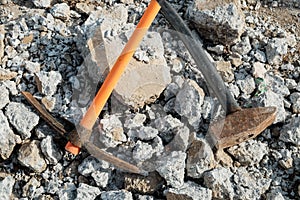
188,102
61,11
42,3
21,118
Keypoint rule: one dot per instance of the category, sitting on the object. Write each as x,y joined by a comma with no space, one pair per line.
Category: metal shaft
206,67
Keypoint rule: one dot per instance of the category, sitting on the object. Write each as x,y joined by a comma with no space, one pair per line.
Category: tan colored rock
259,70
143,184
219,21
141,83
27,39
225,69
6,74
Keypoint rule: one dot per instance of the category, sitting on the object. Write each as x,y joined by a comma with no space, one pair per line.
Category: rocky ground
160,112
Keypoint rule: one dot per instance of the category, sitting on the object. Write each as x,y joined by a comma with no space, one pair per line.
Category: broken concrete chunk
42,3
91,164
171,168
275,49
30,156
218,180
21,118
142,151
250,185
214,18
112,131
181,139
101,178
291,132
48,82
247,85
6,187
250,152
189,191
61,11
200,158
137,121
277,84
243,47
225,69
50,150
7,137
143,133
189,101
6,74
4,96
85,191
121,194
143,184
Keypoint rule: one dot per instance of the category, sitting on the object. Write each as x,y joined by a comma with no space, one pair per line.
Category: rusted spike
241,126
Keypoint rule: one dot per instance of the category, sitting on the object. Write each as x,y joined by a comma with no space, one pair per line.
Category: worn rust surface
242,125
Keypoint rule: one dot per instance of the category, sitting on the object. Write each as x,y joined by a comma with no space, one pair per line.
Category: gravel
160,112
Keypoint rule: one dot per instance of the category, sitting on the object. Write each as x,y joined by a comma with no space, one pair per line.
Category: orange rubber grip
117,70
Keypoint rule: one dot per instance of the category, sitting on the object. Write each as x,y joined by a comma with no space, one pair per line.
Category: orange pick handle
117,70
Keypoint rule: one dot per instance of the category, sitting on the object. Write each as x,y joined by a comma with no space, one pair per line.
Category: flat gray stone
189,190
21,118
4,96
6,187
7,137
30,156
